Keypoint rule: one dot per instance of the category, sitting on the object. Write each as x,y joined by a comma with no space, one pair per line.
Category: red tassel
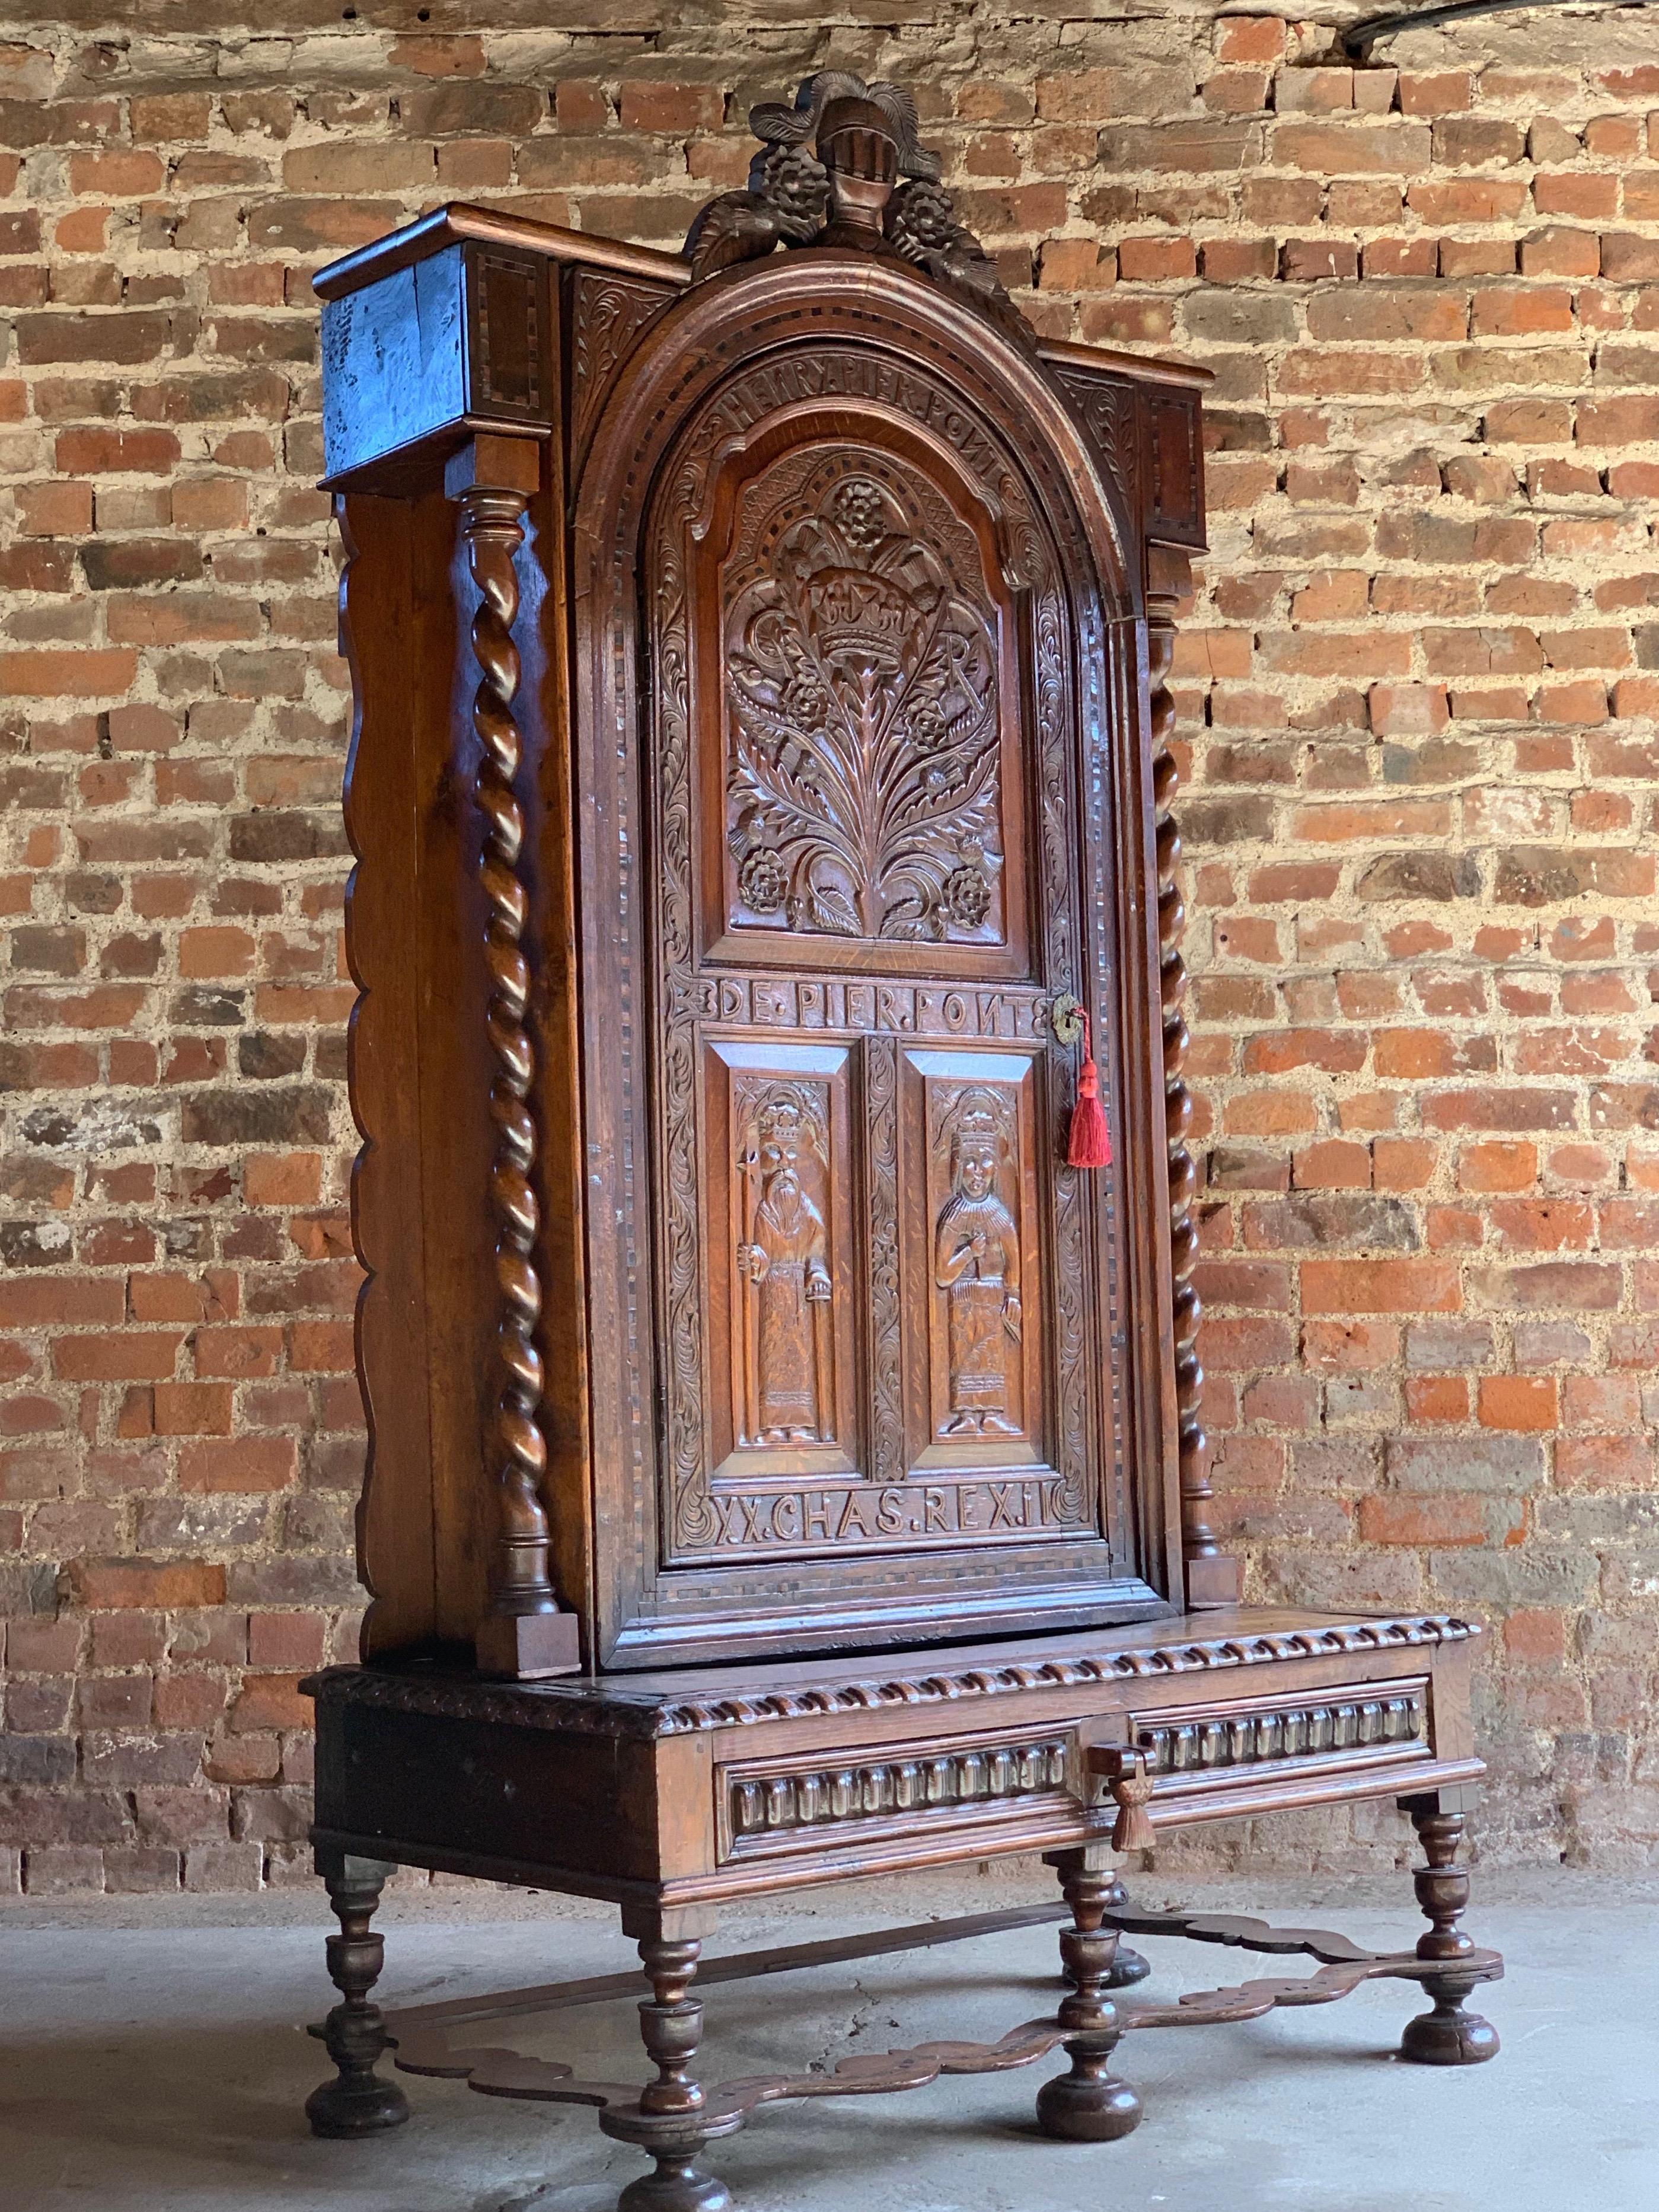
1091,1139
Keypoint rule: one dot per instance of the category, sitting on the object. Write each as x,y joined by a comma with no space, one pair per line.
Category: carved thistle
863,795
848,192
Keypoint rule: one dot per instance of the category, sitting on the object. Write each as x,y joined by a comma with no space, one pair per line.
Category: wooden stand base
465,2039
671,1794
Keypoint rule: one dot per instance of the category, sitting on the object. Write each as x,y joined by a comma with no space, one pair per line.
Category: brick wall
1419,691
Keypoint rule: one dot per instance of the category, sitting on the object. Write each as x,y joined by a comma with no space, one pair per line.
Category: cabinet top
840,167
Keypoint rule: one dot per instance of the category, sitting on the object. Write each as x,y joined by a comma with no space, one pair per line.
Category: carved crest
861,679
848,192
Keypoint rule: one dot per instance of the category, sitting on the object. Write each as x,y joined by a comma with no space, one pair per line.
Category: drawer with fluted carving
1219,1746
783,1805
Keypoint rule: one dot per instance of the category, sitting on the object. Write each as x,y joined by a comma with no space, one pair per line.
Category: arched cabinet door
862,810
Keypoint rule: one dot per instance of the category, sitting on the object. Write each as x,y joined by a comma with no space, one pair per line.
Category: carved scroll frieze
767,1808
690,1520
1108,409
608,312
862,682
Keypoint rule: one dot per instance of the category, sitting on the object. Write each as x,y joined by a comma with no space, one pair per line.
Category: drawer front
765,1807
1209,1747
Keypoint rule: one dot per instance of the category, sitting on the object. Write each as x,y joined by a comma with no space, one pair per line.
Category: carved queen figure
976,1265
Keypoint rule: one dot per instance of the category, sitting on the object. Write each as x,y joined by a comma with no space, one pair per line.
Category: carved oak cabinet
779,1337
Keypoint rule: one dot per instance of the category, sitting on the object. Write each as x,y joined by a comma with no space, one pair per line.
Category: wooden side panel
378,630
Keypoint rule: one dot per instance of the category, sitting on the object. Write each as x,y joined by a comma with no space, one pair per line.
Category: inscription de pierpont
895,1009
862,1513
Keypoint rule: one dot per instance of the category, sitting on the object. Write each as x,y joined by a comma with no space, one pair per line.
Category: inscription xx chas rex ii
841,1519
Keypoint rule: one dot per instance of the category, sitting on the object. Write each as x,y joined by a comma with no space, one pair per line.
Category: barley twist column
1211,1577
525,1633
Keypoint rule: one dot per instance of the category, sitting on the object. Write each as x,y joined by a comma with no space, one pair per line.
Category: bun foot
1127,1968
1448,2036
675,2186
1087,2106
356,2108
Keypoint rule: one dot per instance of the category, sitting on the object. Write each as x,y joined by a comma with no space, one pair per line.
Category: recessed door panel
881,1301
975,1274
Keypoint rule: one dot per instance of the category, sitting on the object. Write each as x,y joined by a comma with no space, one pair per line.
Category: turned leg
1089,2104
1447,2035
671,2123
356,2102
1128,1967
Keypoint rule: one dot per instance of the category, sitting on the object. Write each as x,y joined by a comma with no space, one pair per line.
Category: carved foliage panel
608,313
866,705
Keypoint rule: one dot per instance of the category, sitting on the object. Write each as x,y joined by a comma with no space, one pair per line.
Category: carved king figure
976,1265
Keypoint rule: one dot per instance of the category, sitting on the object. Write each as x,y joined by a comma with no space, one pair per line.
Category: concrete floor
161,2067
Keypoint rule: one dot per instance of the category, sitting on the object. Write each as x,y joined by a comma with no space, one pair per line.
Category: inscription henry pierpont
976,1266
782,1261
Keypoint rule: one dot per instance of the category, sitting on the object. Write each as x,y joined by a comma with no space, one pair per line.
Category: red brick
1380,1286
1605,1462
648,105
248,1464
1429,1522
41,673
110,1583
1518,1401
1433,1400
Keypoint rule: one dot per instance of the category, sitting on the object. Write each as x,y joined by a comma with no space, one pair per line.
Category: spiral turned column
1211,1577
525,1633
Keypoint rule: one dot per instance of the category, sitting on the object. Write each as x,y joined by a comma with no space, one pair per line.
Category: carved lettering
864,1516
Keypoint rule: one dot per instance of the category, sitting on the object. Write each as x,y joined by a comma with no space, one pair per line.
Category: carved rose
805,700
862,512
763,880
967,895
920,219
796,188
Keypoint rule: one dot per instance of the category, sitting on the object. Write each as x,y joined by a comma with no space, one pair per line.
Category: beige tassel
1131,1786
